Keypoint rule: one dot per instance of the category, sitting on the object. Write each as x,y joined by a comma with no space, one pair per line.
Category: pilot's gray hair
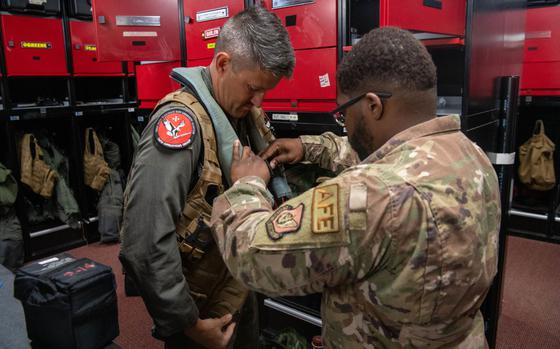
256,35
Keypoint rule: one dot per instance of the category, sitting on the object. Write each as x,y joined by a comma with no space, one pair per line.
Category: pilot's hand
283,151
248,165
209,333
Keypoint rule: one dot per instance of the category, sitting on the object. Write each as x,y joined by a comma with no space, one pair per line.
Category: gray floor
12,320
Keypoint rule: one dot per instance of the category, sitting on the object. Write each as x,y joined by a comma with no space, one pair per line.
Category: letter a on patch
324,212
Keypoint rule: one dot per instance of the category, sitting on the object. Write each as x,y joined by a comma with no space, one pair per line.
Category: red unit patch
175,129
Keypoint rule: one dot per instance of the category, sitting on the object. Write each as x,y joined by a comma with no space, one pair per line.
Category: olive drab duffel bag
68,303
536,160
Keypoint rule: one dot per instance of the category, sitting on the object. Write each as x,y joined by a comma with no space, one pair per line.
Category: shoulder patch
175,129
286,219
324,211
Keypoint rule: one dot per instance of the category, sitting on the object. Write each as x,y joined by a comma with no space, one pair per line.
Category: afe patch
285,220
175,129
324,211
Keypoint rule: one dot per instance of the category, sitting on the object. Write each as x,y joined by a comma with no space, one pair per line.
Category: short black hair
389,58
258,36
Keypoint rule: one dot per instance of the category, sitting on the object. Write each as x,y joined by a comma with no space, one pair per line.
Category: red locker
310,24
153,82
540,79
433,16
542,34
202,26
84,52
131,69
312,88
140,30
541,66
33,46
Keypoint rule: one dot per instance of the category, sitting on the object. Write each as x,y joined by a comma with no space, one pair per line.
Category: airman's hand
209,333
283,151
248,165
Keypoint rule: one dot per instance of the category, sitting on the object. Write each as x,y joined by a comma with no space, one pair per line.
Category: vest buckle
190,251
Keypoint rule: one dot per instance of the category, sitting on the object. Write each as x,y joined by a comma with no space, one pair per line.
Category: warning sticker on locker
211,33
324,80
285,117
211,45
90,47
34,44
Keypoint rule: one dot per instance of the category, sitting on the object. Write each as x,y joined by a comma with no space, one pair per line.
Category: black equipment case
68,303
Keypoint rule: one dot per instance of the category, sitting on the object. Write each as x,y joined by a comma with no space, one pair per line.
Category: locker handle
433,3
290,20
139,43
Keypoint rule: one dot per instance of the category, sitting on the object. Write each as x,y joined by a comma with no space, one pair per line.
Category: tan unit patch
324,211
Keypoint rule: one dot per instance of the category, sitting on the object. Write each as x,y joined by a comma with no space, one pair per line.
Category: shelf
50,230
270,303
539,216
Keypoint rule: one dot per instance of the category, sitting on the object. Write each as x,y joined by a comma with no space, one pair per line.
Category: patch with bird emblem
175,129
286,219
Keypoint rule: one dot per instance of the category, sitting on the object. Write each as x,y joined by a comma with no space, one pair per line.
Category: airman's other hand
247,165
283,151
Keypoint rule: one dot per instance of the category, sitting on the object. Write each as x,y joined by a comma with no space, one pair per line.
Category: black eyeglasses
338,113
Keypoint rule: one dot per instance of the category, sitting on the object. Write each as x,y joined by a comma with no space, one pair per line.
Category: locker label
210,15
32,44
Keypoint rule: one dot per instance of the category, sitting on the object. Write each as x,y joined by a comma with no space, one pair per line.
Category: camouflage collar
451,123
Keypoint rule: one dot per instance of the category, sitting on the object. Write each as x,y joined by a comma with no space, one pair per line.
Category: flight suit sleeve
157,187
328,236
329,151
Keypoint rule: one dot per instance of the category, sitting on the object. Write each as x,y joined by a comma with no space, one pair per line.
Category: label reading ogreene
35,44
325,210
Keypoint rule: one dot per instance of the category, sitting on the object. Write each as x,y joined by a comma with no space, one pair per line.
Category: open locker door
137,30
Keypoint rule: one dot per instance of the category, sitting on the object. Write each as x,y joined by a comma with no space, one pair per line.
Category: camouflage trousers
247,330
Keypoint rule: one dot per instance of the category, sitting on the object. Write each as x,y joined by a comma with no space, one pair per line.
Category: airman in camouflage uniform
403,244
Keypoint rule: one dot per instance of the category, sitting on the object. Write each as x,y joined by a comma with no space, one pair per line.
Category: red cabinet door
310,23
203,24
542,34
137,30
432,16
312,88
153,82
33,46
84,52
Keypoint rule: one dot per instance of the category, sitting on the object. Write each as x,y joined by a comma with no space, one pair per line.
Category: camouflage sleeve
327,236
329,151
